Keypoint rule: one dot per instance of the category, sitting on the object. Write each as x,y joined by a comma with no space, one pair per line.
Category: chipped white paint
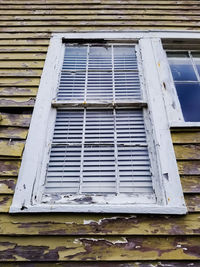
167,184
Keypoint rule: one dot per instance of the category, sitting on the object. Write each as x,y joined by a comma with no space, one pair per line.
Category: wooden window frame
170,195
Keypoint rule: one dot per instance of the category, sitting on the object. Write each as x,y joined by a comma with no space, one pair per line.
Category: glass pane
196,57
100,57
182,69
189,97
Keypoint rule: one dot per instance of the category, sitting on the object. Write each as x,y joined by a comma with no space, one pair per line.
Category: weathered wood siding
130,240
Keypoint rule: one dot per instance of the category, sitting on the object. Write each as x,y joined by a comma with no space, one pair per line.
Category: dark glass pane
177,54
189,97
182,70
196,57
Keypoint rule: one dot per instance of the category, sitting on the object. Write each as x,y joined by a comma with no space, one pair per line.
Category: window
99,139
185,67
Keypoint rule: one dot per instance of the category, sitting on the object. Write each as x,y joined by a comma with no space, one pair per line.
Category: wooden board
95,224
98,249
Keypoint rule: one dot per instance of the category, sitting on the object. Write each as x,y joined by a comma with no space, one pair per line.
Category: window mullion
82,153
113,75
116,153
194,66
86,74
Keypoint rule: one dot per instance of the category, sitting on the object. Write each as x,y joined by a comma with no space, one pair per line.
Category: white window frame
171,199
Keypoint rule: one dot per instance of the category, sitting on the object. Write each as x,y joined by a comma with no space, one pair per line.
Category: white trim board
169,194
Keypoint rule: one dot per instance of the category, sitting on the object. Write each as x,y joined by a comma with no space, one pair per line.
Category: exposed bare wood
95,249
183,137
13,132
24,42
9,168
19,120
191,184
189,167
24,81
20,72
21,56
188,152
5,202
94,224
193,202
17,101
23,49
18,91
181,263
7,185
35,19
33,64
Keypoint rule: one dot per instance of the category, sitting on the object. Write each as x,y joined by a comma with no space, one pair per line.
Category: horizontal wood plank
95,224
19,81
23,19
189,167
11,148
9,167
190,184
21,64
20,72
178,263
95,249
192,202
182,137
18,91
19,120
5,202
188,152
7,185
21,56
17,101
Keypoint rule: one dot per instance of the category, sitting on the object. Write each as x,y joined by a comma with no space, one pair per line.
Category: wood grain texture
190,184
18,120
187,152
11,148
189,137
159,263
96,224
7,185
17,101
9,168
98,249
13,133
189,167
18,91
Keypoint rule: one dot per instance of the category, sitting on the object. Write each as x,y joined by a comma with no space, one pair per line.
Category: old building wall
131,240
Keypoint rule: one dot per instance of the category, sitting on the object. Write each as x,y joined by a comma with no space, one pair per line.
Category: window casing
160,194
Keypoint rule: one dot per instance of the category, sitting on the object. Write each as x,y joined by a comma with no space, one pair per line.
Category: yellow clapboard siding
17,101
22,49
24,42
10,81
21,56
95,249
104,6
189,167
9,167
18,91
20,72
33,64
187,152
94,27
9,19
11,148
183,137
114,2
35,19
192,202
190,184
13,132
7,185
19,120
95,224
5,202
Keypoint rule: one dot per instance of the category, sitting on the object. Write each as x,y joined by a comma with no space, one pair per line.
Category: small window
185,68
99,135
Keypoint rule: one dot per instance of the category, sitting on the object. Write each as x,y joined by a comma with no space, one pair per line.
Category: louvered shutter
100,151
